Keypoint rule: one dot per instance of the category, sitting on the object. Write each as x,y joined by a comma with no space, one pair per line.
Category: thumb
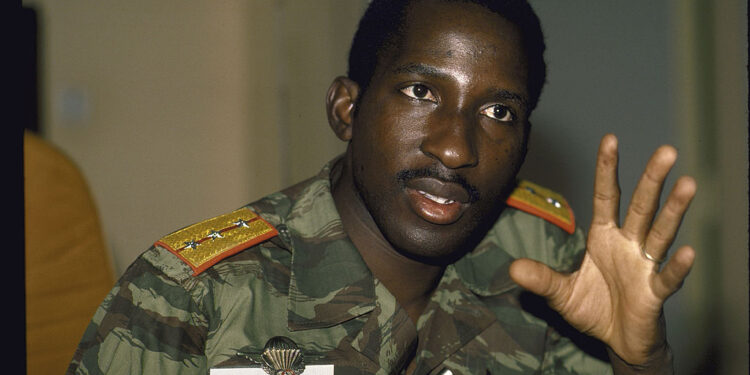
538,278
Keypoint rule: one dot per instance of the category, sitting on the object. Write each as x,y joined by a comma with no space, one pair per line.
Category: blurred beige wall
178,111
711,103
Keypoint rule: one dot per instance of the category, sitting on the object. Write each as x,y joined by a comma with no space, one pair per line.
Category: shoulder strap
203,244
544,203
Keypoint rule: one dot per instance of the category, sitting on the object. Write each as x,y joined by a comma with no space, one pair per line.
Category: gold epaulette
203,244
539,201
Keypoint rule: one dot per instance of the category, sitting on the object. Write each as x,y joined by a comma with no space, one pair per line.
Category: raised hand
618,292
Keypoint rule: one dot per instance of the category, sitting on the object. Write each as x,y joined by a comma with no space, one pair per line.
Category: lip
448,190
437,201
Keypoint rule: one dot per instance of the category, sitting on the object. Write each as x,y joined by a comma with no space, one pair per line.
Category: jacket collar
331,284
484,270
329,281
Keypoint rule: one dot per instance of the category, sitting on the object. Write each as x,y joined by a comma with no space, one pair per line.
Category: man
405,255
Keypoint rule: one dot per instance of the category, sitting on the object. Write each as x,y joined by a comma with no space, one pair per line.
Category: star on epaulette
544,203
203,244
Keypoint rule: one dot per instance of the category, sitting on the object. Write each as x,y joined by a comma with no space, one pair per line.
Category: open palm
618,292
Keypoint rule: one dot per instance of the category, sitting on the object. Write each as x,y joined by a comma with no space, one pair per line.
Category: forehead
443,20
467,37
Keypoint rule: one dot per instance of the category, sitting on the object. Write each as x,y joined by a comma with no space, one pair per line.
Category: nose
451,141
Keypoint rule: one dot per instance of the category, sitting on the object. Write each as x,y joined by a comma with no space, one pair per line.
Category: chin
437,245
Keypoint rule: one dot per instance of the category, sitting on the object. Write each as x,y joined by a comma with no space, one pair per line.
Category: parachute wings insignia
544,203
204,244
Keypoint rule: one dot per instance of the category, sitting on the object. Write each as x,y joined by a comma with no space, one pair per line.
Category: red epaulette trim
544,203
204,244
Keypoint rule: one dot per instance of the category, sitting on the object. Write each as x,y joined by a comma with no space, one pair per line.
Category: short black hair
383,21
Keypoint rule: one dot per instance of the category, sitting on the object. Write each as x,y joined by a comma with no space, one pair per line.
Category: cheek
394,142
505,150
501,163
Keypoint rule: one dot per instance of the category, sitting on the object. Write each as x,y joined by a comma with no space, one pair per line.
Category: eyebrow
509,95
419,68
429,70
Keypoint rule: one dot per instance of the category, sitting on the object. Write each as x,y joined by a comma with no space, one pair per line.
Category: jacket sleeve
150,323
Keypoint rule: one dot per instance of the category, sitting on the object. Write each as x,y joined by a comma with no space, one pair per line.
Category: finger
606,189
670,279
539,279
667,222
645,199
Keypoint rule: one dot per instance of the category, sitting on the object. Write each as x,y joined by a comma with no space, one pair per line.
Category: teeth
435,198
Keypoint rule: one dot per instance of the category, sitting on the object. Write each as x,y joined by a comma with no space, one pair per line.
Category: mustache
441,174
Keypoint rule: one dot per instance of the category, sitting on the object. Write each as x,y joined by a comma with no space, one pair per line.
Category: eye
419,92
499,112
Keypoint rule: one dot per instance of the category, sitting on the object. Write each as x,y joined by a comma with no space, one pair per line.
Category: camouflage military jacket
310,284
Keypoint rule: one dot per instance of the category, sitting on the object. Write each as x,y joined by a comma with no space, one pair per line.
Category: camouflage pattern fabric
311,285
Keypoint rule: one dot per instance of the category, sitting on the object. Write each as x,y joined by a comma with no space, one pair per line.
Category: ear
340,100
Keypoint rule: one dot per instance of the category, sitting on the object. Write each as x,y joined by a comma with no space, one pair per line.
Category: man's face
441,131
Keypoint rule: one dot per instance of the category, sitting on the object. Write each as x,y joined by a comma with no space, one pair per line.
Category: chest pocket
498,351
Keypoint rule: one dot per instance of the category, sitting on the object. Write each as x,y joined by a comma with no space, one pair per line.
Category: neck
411,282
